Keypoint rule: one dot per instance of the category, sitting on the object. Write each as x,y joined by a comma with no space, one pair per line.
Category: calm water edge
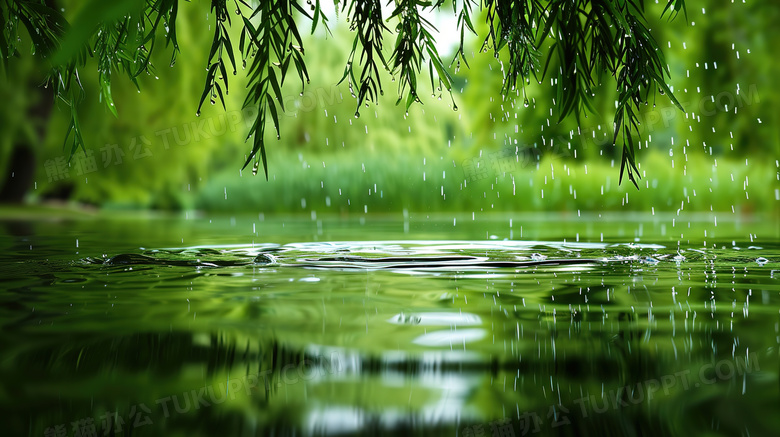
465,325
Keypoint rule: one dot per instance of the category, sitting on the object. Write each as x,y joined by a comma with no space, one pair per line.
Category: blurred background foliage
481,152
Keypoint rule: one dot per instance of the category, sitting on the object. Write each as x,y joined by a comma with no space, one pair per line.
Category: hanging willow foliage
587,37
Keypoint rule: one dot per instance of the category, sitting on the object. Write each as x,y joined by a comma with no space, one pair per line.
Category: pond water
472,325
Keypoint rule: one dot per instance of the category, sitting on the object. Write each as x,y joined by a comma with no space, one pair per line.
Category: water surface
434,325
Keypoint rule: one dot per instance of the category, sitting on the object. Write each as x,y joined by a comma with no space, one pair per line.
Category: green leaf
274,116
660,81
105,90
207,89
221,97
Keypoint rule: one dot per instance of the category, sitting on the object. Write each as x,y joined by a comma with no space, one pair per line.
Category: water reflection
423,337
182,382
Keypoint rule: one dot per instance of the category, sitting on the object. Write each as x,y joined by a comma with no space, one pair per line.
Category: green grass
337,183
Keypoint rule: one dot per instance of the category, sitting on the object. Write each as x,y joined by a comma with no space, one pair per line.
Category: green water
408,324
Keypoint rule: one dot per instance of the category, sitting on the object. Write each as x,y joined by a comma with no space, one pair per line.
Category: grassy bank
352,183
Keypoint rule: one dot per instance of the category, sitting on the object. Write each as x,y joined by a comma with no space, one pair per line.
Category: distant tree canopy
588,38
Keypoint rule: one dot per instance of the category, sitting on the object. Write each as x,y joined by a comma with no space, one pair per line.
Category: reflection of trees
594,366
630,365
591,364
